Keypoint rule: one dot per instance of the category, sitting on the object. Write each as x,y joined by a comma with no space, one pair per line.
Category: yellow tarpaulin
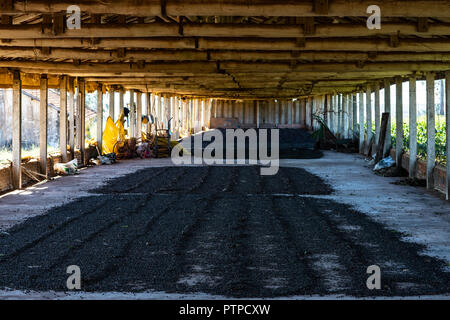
113,133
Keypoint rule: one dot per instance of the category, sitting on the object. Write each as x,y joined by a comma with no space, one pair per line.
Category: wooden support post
167,111
209,112
333,114
148,101
340,110
43,123
387,109
354,116
202,112
447,116
175,116
132,116
71,111
81,120
111,104
283,107
304,113
431,134
100,117
342,115
369,119
345,116
399,121
63,119
257,113
361,122
382,139
121,100
330,112
412,127
377,114
17,131
298,106
277,112
326,109
139,115
338,115
213,108
289,111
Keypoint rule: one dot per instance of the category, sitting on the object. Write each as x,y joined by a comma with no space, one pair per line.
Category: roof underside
228,48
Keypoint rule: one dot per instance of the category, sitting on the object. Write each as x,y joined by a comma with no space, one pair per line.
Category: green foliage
422,139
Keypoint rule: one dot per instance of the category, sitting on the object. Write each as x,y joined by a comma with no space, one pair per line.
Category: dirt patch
392,172
414,182
211,179
218,230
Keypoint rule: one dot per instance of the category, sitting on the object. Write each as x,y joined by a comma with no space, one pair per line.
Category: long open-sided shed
322,225
268,63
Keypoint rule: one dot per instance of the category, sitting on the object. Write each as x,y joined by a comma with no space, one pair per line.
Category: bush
422,140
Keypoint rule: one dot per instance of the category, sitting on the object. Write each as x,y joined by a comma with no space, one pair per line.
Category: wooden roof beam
34,31
336,8
270,44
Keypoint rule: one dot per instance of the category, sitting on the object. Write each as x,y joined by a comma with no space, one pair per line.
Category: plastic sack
384,163
113,134
110,136
68,168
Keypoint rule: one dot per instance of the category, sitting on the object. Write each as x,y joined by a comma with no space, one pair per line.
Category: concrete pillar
99,117
43,123
17,131
399,121
431,134
63,119
369,118
377,114
412,127
111,104
387,108
71,111
139,115
447,115
361,122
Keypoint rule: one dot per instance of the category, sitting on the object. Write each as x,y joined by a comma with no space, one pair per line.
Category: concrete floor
420,216
423,217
